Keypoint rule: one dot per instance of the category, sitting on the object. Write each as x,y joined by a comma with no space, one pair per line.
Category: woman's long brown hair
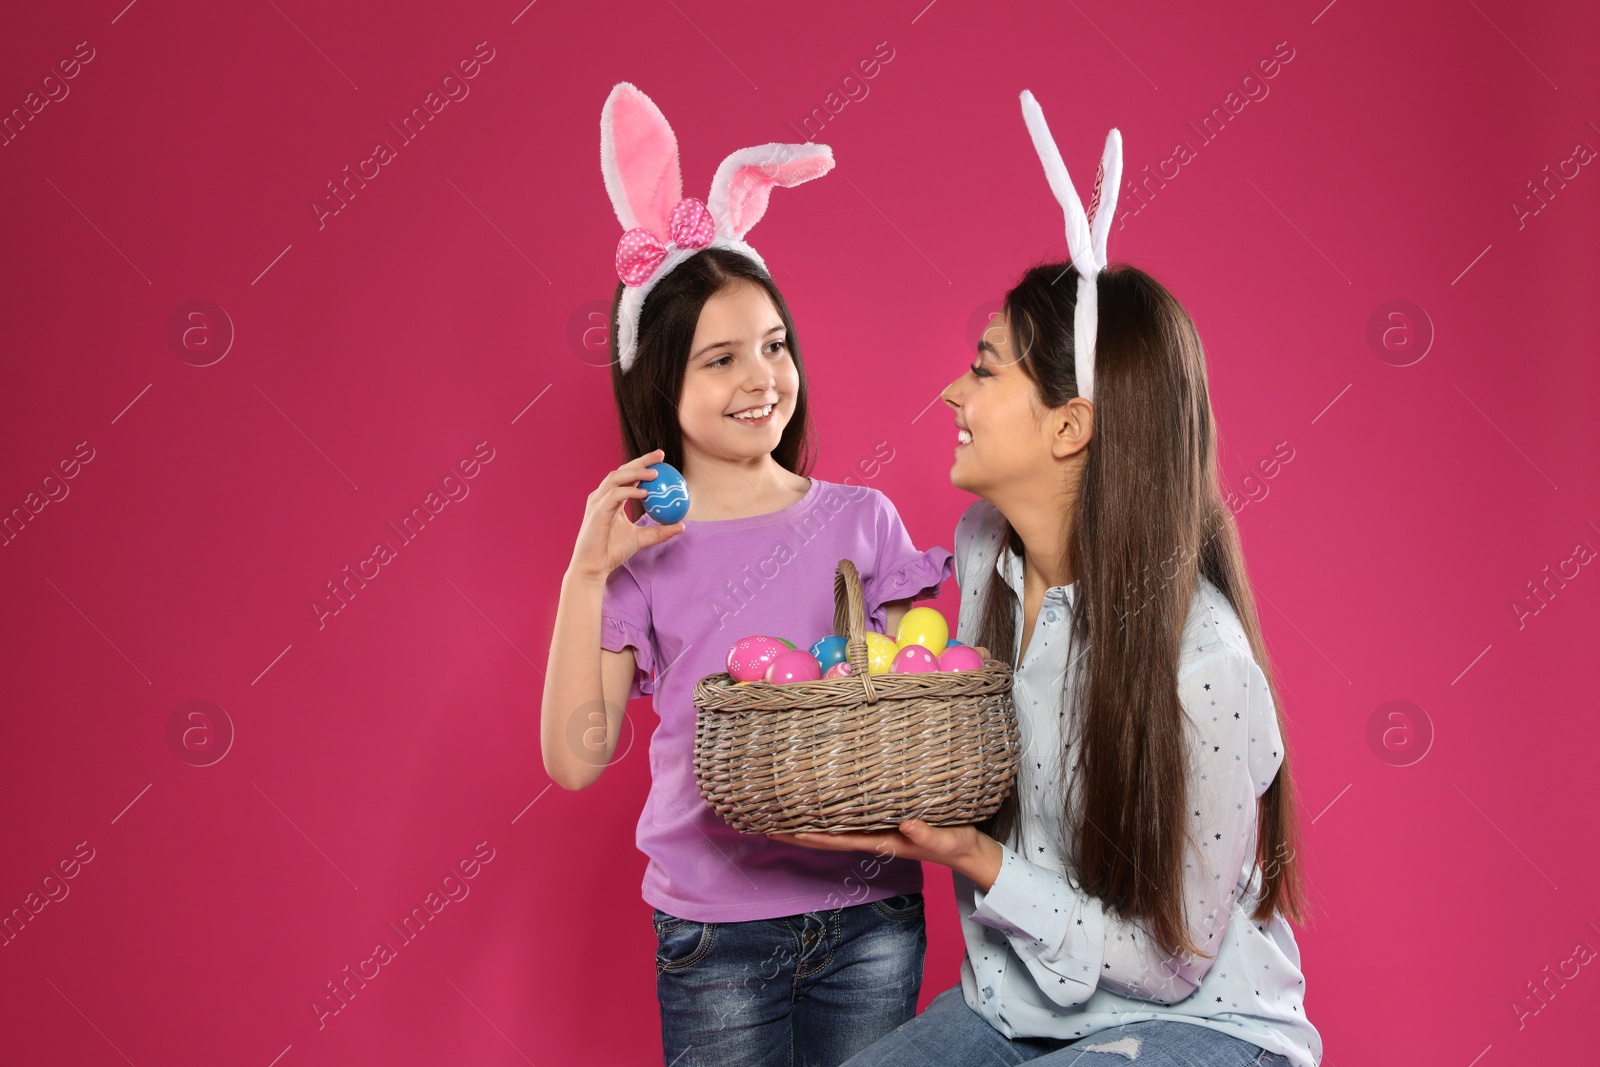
1149,521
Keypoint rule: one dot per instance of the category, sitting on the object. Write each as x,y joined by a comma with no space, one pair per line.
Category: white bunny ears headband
639,159
1087,231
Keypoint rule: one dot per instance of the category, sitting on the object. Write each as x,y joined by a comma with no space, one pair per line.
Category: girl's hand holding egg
606,539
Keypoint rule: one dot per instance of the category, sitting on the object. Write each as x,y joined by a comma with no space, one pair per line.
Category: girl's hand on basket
606,539
961,848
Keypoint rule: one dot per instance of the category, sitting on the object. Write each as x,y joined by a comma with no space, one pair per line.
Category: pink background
445,305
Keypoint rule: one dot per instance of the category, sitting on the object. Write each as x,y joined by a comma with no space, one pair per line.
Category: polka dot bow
640,251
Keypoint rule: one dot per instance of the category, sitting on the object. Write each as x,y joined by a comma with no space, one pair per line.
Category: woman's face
995,402
739,363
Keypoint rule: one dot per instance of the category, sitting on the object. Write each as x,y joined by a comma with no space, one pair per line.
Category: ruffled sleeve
899,571
624,622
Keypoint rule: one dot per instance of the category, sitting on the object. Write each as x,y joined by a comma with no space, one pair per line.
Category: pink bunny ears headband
1087,231
639,159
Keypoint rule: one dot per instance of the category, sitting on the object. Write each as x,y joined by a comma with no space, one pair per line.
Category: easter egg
881,651
829,650
925,627
667,499
960,658
788,643
750,657
953,641
794,665
838,670
913,659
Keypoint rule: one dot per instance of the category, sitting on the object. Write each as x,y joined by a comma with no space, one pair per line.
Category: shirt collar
1009,566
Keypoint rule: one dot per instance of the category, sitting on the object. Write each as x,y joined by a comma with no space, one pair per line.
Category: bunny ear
1080,242
1086,231
639,159
745,179
1107,183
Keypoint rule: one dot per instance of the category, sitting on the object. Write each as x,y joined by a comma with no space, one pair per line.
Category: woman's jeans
807,990
949,1032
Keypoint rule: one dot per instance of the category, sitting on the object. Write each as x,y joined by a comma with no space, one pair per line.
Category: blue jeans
806,990
949,1032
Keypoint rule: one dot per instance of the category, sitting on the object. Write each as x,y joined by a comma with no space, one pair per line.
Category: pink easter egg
750,657
794,665
913,659
838,670
960,658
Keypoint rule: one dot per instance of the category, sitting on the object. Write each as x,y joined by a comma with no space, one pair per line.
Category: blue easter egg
829,650
950,642
668,499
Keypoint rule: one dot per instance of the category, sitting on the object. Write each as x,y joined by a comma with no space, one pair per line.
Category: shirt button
1049,616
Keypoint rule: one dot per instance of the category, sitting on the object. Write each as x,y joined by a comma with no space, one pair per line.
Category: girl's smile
740,385
756,416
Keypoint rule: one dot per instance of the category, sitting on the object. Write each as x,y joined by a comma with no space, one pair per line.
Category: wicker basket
860,752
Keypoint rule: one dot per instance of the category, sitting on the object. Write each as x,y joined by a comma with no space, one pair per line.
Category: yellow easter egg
925,627
881,651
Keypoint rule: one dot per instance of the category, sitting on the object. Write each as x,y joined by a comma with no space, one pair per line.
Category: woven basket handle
850,622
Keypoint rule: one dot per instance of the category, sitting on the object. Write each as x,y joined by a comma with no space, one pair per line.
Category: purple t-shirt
681,604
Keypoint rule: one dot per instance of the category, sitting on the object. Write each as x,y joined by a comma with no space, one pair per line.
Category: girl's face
739,364
1003,435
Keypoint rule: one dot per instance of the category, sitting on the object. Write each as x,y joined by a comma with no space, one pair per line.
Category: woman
1134,892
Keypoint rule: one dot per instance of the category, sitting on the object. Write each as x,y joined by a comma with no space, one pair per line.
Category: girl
767,952
1131,898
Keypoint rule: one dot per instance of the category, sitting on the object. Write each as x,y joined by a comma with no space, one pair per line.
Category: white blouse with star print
1042,959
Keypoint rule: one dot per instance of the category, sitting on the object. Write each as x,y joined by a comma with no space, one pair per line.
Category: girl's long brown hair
1149,520
647,396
